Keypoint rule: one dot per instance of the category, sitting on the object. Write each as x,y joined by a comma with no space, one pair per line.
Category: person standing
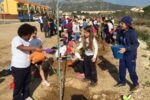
76,30
46,26
20,62
128,38
69,29
41,23
90,47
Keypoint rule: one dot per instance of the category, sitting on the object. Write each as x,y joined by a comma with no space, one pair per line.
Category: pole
59,67
3,14
29,10
53,7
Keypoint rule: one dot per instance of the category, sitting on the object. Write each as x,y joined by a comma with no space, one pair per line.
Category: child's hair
69,20
111,22
35,29
25,29
131,27
84,19
91,36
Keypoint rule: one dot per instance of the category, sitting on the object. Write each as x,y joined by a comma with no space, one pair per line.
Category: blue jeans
76,36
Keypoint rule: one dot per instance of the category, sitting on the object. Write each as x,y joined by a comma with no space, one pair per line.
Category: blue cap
127,20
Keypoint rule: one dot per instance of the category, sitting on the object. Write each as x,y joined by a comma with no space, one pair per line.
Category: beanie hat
127,20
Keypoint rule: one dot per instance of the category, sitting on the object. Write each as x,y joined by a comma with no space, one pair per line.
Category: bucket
115,50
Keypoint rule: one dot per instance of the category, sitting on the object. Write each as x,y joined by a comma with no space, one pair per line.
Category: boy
20,62
128,38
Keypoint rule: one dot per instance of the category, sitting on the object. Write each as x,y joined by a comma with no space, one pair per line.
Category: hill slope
90,5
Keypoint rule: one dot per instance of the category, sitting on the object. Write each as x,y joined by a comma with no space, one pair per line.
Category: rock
104,96
95,97
75,83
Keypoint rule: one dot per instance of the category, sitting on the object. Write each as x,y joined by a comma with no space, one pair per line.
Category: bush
144,34
141,21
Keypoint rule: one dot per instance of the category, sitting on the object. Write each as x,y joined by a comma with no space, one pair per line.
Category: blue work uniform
130,41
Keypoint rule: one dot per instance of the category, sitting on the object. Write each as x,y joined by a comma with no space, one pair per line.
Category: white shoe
29,98
45,83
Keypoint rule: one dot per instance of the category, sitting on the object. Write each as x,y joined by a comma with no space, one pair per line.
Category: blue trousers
128,62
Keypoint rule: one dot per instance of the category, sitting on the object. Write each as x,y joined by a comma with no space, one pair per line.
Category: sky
140,3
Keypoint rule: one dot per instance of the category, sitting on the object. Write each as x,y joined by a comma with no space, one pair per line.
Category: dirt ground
75,89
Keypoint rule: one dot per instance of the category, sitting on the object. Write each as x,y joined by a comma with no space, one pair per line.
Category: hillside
147,9
90,5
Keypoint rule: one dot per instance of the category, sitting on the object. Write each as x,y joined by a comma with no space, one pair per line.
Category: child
20,62
37,42
70,53
128,38
76,30
69,29
90,47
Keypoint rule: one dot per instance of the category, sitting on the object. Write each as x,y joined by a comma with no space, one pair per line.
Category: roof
32,3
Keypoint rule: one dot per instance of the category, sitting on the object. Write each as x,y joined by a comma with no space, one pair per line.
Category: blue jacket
129,40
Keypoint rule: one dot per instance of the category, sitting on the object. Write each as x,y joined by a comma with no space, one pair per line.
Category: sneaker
93,84
135,88
120,84
29,98
45,83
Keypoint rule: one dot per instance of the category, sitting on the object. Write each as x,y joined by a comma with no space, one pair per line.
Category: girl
37,42
128,38
90,47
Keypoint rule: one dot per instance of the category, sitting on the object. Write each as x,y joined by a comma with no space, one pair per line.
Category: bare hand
122,50
93,59
38,49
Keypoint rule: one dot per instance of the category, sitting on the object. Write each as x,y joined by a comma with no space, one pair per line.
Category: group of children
80,49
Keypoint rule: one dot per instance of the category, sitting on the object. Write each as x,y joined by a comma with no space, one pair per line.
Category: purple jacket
69,27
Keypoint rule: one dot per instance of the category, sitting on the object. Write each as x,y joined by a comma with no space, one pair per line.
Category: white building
137,9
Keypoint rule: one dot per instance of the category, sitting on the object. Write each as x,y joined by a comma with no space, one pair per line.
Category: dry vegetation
142,26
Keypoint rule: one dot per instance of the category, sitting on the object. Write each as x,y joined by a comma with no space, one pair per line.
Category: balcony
22,8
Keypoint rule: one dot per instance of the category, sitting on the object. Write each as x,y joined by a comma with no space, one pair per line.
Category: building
98,12
137,9
67,13
11,9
